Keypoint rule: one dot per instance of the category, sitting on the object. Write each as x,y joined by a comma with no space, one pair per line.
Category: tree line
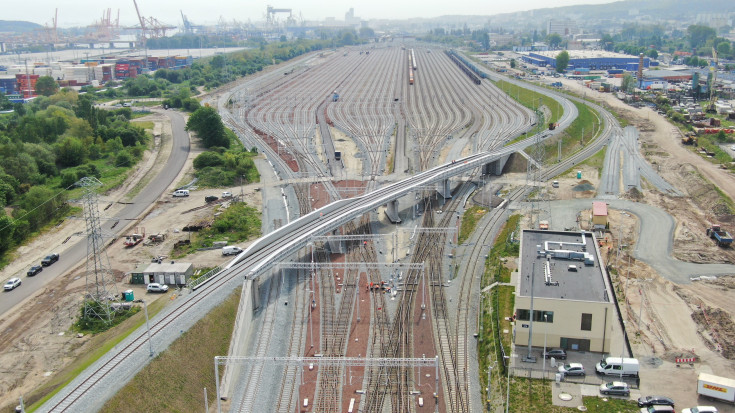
49,144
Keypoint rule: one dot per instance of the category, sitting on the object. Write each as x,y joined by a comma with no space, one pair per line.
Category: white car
12,284
572,369
226,194
700,409
157,288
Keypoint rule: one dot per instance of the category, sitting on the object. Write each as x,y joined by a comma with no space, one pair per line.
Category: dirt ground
35,341
674,321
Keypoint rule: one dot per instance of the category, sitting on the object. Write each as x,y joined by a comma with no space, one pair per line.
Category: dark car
210,198
49,259
34,270
655,401
556,353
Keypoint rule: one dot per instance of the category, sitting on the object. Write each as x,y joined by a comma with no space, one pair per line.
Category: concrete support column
444,188
392,211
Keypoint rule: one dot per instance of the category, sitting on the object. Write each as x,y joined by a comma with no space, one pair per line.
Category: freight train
469,72
413,60
469,64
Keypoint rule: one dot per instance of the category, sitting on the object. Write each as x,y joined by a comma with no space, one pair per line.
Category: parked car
658,408
181,193
226,194
210,198
11,284
655,400
572,369
35,270
618,388
701,409
556,353
157,288
49,259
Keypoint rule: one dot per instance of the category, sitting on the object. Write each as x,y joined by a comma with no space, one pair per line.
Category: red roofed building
599,215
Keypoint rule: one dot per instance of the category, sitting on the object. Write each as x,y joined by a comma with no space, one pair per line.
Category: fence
194,284
592,379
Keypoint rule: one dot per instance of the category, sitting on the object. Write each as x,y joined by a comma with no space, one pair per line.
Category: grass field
530,99
175,379
469,221
98,346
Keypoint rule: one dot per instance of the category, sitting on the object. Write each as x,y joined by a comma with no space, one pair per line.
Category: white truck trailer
715,387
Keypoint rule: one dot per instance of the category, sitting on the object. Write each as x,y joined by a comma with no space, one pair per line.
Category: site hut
599,215
569,287
165,272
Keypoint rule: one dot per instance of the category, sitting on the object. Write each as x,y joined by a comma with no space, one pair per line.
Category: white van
612,366
181,192
231,250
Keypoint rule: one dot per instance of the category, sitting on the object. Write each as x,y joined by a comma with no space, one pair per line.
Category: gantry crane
150,28
270,14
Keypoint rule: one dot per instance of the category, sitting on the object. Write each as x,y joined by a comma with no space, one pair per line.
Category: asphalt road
655,238
76,254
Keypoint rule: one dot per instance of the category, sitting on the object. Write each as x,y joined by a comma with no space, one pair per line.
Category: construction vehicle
135,238
553,125
689,139
157,237
723,238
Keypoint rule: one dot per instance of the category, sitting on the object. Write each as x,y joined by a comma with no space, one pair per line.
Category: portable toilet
128,295
579,174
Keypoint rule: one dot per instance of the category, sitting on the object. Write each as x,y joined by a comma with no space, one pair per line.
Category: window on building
538,315
586,322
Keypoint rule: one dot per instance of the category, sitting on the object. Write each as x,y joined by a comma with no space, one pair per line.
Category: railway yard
370,157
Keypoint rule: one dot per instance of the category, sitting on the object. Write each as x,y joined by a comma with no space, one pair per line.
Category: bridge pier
495,167
335,246
392,212
444,188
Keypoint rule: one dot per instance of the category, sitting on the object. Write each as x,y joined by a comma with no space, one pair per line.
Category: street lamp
147,326
546,327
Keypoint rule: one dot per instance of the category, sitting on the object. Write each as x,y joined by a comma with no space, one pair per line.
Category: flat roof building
573,305
587,59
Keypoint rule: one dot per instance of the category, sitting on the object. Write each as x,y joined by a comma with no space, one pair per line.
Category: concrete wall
567,322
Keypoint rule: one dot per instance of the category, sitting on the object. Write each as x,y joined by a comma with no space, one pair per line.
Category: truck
715,387
135,238
618,366
723,238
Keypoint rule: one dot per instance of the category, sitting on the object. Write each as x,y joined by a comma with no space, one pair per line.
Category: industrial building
588,59
561,278
172,273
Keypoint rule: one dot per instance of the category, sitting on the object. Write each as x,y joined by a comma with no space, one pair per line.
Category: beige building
573,307
599,215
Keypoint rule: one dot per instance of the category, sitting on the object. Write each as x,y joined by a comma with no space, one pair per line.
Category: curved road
76,254
655,238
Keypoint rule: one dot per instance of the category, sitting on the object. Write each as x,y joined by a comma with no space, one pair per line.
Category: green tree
562,61
367,33
699,34
207,124
71,151
46,86
628,83
723,48
554,39
512,63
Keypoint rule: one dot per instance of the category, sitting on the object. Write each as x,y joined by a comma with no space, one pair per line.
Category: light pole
546,327
147,326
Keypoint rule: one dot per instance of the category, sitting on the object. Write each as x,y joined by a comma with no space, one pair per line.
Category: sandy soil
36,341
664,320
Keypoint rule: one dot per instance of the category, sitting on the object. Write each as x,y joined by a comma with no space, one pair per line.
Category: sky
85,12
